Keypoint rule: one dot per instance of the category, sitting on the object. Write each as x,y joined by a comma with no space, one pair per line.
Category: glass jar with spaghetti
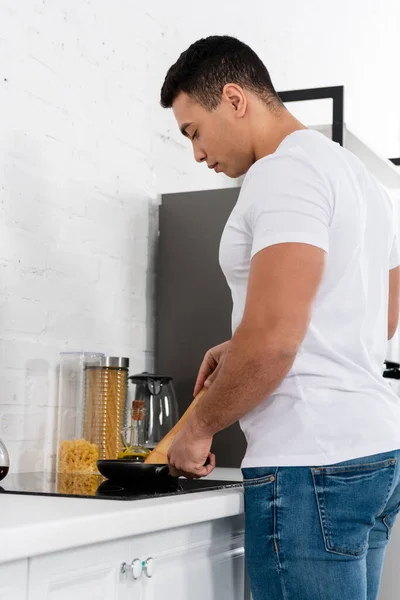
114,379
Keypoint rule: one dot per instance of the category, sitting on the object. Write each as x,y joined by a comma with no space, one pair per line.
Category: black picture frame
335,92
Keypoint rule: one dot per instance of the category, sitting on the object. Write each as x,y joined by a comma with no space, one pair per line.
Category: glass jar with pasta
79,412
113,406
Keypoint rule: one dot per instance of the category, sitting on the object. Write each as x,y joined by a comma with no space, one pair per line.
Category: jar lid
116,362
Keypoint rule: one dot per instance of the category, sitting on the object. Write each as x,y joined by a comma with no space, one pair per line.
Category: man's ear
235,96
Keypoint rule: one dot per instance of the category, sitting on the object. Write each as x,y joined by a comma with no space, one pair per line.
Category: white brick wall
85,150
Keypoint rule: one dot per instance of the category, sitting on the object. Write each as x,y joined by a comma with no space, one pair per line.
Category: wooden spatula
159,456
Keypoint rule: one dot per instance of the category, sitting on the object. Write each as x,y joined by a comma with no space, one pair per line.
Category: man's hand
211,365
188,455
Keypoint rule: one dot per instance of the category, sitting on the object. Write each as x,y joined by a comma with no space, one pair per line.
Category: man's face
219,137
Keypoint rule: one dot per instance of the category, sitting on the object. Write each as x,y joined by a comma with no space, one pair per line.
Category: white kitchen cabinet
203,561
13,580
88,573
197,573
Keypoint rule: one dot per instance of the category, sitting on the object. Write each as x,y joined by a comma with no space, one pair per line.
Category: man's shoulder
287,164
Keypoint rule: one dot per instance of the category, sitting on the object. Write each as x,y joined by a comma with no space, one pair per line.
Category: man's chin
226,171
234,174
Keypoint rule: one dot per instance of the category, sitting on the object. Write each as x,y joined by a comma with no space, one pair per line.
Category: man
310,254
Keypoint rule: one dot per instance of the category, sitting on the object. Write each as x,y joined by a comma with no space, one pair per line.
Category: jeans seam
276,537
388,530
390,490
319,511
357,467
396,512
390,527
275,516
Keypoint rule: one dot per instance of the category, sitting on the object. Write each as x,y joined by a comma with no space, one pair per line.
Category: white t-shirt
334,404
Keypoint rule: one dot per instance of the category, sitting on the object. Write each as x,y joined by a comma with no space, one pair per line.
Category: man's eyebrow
183,129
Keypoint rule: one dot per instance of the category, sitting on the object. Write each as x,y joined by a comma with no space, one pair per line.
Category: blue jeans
320,533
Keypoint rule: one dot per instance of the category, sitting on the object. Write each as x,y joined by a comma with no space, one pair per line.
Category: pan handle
162,470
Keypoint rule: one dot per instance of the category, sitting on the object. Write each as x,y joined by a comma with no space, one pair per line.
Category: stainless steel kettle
160,404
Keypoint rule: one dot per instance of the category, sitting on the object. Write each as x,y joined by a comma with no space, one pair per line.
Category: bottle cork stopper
137,410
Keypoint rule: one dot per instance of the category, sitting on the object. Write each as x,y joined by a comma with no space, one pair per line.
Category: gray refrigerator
193,301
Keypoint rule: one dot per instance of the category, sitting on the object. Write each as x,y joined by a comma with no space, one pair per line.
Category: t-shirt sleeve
394,257
287,200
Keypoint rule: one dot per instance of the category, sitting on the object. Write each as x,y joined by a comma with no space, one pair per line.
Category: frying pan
154,470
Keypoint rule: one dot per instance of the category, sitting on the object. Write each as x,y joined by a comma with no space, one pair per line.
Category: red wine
3,472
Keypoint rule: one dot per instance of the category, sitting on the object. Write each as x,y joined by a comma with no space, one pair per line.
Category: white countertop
32,525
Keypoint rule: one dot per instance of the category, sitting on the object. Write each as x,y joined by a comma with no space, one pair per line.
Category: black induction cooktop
96,486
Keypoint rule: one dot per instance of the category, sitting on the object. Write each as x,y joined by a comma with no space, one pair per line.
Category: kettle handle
154,386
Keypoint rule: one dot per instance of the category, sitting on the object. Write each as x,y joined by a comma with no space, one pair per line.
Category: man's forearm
252,370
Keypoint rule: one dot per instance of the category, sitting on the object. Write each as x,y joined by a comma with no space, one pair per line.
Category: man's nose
199,154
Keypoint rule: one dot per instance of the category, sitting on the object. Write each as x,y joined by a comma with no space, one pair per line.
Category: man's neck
272,130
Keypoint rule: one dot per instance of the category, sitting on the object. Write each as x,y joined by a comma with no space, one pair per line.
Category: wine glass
4,460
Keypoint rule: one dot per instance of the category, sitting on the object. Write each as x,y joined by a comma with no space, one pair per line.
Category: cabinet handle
149,567
135,568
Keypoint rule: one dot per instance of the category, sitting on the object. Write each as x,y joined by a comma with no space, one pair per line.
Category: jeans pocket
350,498
256,476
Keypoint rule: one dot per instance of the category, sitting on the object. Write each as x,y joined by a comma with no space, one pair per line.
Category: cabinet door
212,569
13,580
88,573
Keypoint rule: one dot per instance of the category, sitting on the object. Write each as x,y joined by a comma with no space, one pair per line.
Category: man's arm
394,301
283,282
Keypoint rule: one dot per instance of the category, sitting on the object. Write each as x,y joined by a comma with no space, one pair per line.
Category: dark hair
209,64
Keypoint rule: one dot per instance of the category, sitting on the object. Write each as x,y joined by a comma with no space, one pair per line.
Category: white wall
85,150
